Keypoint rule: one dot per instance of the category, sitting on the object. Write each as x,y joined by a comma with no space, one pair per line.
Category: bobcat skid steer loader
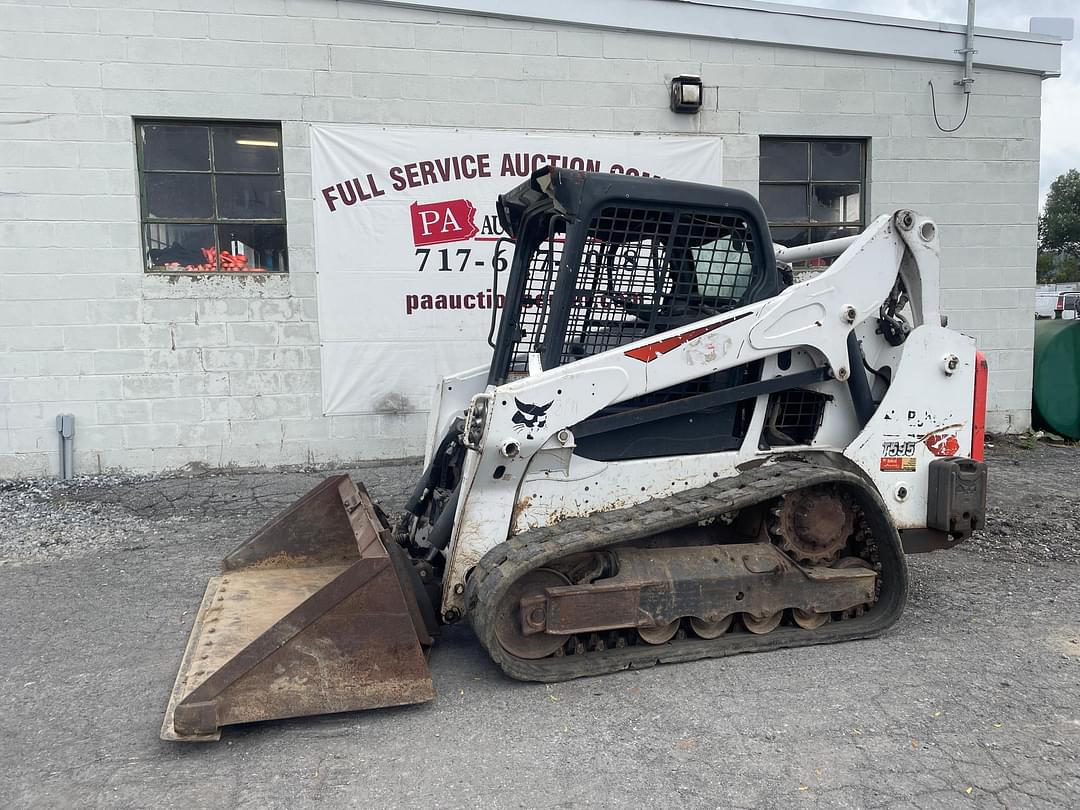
675,453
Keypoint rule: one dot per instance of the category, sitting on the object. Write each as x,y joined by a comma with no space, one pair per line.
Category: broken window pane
247,149
250,196
790,237
178,196
253,248
784,203
835,202
785,160
180,247
823,234
811,211
836,160
176,147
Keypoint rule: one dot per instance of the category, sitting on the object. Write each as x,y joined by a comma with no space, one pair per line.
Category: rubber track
508,561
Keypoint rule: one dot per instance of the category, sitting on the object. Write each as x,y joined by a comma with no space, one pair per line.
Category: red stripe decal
646,354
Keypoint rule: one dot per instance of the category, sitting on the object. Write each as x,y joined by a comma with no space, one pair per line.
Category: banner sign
411,260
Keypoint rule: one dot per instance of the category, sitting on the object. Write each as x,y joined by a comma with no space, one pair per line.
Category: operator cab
607,259
603,260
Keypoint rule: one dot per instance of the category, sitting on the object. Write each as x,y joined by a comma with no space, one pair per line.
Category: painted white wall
163,371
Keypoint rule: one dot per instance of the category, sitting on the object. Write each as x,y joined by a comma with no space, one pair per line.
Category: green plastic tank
1056,389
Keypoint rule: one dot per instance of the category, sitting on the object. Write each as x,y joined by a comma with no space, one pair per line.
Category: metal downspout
968,50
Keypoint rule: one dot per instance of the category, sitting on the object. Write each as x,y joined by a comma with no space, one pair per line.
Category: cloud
1060,143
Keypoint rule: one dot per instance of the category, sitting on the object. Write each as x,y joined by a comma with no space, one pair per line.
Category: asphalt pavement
972,700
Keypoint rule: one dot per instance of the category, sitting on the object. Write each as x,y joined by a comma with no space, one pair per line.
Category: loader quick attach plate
312,615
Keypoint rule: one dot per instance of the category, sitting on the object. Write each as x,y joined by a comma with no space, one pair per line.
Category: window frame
809,224
215,221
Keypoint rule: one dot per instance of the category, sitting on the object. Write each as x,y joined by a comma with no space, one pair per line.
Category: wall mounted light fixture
686,94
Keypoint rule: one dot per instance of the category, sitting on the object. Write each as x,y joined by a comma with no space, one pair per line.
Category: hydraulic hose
424,486
444,525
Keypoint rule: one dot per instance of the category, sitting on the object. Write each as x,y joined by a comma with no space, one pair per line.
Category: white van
1060,305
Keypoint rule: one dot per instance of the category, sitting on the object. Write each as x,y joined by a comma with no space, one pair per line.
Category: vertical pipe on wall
969,49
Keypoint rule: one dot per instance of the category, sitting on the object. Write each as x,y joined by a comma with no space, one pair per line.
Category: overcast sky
1061,96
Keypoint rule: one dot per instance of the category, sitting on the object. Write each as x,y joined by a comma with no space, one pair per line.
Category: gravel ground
972,700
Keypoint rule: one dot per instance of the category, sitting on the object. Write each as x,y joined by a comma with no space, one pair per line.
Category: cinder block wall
163,371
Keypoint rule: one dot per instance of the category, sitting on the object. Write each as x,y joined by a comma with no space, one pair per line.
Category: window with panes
813,189
212,196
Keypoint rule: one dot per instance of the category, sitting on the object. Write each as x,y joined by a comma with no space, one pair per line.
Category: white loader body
520,478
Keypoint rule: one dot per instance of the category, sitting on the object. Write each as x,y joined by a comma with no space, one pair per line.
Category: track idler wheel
508,625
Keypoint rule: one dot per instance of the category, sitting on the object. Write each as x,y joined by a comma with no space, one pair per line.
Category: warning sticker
898,464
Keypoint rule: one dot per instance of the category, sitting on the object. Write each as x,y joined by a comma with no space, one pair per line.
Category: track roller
659,635
765,624
809,619
707,629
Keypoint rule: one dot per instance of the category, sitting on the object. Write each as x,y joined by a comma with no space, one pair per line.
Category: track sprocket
813,525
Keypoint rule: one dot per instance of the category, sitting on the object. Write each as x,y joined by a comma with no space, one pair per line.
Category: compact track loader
676,453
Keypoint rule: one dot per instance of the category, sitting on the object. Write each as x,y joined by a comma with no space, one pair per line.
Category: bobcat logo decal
529,416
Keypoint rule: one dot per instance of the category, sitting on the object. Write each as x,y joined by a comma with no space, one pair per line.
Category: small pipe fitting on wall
65,428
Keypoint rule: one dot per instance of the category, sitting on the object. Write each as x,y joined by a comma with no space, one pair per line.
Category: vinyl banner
411,260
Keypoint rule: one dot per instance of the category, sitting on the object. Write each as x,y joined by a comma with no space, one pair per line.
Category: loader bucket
316,613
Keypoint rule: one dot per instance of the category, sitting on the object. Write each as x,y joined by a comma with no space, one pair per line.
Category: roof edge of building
777,24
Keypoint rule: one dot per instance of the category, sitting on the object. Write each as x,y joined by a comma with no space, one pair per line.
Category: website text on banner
410,257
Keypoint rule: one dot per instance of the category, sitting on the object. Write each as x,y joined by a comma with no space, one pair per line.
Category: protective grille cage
648,270
794,416
536,298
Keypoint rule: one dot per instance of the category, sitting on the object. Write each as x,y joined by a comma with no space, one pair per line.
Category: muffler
318,612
